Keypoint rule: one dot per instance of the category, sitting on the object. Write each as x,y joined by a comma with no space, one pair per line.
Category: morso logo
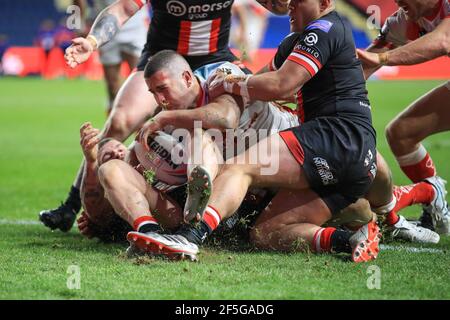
177,8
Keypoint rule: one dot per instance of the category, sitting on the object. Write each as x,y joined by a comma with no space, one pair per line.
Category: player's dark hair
162,60
103,142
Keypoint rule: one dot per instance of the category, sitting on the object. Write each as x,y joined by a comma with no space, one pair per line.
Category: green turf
39,122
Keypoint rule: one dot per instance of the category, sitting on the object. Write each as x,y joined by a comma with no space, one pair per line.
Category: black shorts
338,156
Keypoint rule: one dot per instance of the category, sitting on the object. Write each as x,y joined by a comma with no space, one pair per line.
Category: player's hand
80,50
369,60
89,139
85,226
216,84
157,123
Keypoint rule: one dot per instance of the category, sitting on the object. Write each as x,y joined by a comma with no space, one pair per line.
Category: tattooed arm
92,194
110,20
105,26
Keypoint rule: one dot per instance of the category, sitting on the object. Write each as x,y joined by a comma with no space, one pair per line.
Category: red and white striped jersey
194,28
398,30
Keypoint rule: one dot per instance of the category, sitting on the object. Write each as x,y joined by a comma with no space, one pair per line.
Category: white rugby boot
438,208
173,246
408,231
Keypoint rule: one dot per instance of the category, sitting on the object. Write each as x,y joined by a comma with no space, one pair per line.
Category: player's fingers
90,134
92,142
84,126
78,40
82,225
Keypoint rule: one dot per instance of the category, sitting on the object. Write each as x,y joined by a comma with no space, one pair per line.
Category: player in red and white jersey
418,32
198,29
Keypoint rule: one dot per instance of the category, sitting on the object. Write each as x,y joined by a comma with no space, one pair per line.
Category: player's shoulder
329,24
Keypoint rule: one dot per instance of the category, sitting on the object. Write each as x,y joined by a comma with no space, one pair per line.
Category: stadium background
40,115
20,23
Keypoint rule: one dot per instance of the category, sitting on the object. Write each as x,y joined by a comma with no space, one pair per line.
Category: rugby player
418,32
98,218
125,47
332,154
287,201
197,29
175,87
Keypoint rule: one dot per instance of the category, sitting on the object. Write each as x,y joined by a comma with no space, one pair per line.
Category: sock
391,218
146,224
417,165
331,240
419,193
198,233
388,212
73,199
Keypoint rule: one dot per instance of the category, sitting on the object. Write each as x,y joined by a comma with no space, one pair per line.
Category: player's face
415,9
302,12
170,91
113,149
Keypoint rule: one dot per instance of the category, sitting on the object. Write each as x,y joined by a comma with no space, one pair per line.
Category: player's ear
188,78
325,4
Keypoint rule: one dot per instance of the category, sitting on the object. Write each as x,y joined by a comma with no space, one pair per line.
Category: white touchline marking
19,222
409,249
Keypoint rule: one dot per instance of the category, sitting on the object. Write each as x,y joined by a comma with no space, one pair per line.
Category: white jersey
259,119
398,30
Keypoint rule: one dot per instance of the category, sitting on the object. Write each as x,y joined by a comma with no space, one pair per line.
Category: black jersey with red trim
197,29
326,49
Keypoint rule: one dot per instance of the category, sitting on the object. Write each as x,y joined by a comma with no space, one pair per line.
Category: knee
395,130
110,172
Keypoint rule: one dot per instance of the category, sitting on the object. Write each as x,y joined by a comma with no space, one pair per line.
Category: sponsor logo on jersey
323,25
368,159
364,104
324,171
162,152
311,39
311,51
178,8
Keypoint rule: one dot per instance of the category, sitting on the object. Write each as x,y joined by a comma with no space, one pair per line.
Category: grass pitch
39,155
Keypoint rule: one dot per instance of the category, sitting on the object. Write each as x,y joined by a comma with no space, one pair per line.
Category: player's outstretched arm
431,46
278,7
105,26
91,191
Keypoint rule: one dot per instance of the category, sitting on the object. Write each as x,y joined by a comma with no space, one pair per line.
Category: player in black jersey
332,155
198,29
385,199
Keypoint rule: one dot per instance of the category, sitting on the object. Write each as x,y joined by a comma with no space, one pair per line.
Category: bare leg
426,116
132,198
232,184
289,221
380,192
112,79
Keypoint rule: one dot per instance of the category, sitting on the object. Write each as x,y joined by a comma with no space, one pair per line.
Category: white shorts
111,52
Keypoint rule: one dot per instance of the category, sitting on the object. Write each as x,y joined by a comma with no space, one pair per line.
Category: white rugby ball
164,158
